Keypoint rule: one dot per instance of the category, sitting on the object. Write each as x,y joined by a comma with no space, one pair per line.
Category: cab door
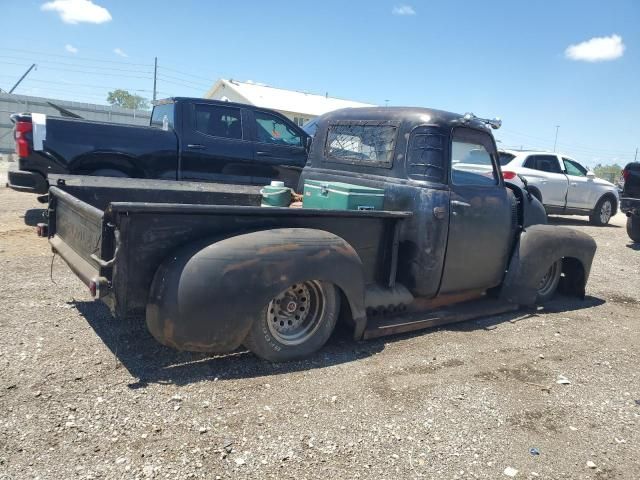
280,148
215,144
480,222
582,189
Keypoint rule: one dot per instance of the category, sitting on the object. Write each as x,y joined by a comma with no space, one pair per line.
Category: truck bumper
26,181
630,206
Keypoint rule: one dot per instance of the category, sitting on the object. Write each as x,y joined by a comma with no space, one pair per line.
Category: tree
124,99
608,172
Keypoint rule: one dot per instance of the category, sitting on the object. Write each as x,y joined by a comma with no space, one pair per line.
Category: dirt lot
83,395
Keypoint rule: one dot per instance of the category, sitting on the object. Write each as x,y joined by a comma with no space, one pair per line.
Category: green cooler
341,196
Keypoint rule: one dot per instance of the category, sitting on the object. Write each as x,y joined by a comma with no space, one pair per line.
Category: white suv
563,185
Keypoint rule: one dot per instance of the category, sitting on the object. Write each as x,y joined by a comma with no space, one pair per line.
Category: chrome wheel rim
605,211
547,283
296,314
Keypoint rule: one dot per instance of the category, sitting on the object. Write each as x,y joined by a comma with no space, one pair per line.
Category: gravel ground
84,395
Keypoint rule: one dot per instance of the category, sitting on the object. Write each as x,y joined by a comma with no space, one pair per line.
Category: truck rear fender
538,247
206,295
102,161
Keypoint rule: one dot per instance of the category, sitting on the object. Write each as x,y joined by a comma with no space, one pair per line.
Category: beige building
297,106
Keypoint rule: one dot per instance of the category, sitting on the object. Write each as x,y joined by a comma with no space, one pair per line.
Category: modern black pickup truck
630,199
213,270
188,139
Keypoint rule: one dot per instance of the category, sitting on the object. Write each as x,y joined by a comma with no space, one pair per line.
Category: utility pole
555,142
22,78
155,76
636,156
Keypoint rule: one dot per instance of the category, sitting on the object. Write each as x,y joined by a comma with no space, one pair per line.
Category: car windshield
505,158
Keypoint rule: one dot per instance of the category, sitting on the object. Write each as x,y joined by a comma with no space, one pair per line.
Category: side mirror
591,175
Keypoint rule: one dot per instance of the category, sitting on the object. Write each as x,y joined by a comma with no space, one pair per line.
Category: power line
181,72
73,84
44,62
164,75
88,72
33,53
586,149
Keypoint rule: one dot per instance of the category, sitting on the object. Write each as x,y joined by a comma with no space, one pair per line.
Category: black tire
633,228
280,334
602,212
548,284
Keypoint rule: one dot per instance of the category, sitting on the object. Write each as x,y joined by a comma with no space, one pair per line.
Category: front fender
537,248
206,296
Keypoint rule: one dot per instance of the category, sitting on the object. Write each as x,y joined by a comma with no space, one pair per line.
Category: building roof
284,100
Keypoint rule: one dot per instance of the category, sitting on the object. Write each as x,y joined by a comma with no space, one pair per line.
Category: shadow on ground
634,246
576,222
33,216
150,362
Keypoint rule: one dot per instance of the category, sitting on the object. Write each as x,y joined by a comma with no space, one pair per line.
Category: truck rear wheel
549,282
633,228
295,323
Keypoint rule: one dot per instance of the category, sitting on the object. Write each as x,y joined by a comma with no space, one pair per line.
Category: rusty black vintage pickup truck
212,270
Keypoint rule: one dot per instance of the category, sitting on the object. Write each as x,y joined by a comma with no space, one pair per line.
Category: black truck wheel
633,228
602,213
549,282
296,323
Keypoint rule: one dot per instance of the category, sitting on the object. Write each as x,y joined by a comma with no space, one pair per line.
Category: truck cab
442,168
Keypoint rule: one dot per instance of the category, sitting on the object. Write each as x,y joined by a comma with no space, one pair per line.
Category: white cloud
403,10
596,49
70,48
120,52
78,11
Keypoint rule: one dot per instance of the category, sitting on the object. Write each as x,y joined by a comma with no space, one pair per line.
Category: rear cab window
367,143
162,112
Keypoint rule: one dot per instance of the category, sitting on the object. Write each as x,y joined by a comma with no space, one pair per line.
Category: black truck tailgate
75,233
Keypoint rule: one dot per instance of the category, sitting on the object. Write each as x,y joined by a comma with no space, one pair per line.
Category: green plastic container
341,196
275,195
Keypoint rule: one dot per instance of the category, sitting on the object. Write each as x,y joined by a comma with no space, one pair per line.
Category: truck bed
121,230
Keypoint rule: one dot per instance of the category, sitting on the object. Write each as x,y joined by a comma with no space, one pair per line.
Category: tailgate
75,233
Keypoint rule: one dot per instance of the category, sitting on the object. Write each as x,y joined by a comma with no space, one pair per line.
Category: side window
544,163
225,122
471,164
574,168
271,129
425,157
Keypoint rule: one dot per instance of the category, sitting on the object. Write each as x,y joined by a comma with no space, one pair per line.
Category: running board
461,312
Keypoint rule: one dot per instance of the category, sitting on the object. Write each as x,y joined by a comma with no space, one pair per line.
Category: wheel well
572,281
90,163
536,193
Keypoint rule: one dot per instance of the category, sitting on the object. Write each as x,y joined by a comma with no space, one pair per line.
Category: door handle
196,146
263,154
574,184
439,212
458,203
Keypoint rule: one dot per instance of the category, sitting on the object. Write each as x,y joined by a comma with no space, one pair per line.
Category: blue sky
499,58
